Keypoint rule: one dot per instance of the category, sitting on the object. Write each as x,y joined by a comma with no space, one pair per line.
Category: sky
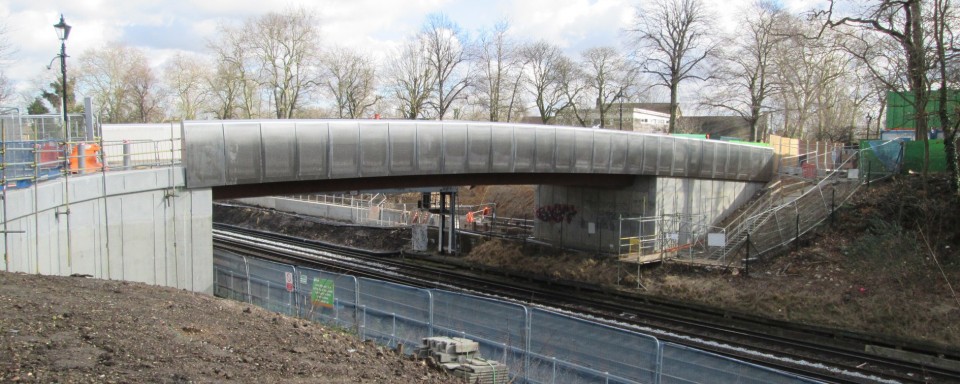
163,27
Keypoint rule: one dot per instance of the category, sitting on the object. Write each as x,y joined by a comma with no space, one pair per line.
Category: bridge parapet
221,153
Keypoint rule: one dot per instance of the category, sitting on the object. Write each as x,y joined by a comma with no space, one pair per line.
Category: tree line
820,75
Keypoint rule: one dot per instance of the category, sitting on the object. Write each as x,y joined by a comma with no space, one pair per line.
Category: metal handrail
39,160
760,218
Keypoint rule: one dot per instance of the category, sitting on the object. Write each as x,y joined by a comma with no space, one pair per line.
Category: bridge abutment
140,226
596,226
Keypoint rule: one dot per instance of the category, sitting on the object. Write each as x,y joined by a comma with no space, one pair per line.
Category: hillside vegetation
889,264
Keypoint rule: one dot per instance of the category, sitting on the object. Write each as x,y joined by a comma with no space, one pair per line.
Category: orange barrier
91,163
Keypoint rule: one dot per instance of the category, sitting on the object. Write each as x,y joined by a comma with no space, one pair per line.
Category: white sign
289,277
716,239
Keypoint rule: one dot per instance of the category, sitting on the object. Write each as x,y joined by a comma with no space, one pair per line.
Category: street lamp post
63,32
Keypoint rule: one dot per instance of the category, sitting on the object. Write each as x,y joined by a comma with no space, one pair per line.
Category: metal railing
18,127
538,345
373,209
26,162
37,147
669,236
777,219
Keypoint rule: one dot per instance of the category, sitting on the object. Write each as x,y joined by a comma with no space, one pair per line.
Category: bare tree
608,76
105,74
902,24
498,85
6,49
287,51
350,79
672,38
574,87
947,62
804,70
145,91
122,84
446,47
744,81
541,61
186,77
234,87
410,79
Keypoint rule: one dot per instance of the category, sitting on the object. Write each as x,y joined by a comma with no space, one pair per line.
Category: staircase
801,200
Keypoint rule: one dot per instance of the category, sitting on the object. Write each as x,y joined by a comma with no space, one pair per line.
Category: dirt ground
79,330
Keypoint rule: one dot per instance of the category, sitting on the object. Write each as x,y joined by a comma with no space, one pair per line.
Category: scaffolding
667,236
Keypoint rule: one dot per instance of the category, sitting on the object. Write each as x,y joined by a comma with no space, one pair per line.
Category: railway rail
822,354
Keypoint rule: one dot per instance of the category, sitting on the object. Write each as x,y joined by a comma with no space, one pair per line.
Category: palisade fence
538,345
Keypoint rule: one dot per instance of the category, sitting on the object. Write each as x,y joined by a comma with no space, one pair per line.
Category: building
902,115
638,117
720,126
655,118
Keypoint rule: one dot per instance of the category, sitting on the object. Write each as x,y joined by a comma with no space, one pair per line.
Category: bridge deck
229,153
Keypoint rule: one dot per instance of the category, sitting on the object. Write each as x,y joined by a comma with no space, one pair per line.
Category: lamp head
63,29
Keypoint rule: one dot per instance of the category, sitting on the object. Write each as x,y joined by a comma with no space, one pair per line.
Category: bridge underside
419,181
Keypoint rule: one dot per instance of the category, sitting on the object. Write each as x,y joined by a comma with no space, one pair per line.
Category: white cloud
376,26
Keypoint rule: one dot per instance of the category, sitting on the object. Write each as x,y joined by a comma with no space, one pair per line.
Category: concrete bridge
606,174
152,222
272,157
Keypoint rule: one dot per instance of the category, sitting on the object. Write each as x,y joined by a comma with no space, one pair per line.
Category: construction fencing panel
538,346
272,286
685,365
394,314
589,352
500,328
230,277
326,297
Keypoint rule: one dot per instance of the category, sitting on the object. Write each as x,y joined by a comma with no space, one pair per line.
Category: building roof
655,107
716,126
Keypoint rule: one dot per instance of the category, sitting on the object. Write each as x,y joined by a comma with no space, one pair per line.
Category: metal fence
16,127
538,345
33,149
775,221
366,208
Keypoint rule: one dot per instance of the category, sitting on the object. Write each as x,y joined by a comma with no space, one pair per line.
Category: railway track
822,354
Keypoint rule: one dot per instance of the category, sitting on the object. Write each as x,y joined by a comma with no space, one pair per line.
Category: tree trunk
917,67
673,107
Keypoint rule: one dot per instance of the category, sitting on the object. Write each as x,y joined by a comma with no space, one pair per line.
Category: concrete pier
595,226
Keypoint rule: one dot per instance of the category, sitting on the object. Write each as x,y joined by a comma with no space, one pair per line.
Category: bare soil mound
514,201
71,329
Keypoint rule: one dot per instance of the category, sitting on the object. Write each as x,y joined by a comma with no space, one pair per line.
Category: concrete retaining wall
710,200
137,226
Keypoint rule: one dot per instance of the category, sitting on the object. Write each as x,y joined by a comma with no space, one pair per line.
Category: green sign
321,294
